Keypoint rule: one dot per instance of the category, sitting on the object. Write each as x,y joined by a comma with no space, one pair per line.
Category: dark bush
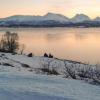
7,64
49,71
25,65
45,70
54,72
45,55
50,56
30,55
2,54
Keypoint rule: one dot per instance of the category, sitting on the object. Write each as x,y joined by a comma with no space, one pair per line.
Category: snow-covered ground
22,86
20,82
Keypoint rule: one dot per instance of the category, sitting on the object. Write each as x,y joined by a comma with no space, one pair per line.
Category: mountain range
50,20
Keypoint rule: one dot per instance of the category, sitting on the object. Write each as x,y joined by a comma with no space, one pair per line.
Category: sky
40,7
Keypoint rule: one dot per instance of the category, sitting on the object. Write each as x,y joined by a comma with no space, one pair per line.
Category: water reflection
81,44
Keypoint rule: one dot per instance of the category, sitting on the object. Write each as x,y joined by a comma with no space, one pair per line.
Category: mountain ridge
49,20
49,14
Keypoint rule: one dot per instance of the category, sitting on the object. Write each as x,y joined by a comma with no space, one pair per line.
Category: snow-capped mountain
97,19
80,18
57,17
21,18
48,16
49,20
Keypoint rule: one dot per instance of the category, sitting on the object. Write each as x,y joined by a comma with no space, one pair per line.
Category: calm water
80,44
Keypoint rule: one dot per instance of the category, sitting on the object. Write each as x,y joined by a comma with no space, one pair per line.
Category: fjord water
79,44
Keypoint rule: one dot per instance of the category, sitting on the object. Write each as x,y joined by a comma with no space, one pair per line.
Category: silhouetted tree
9,42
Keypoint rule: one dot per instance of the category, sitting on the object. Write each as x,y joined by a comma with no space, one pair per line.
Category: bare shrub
96,74
9,42
46,69
85,71
49,71
54,71
22,48
70,70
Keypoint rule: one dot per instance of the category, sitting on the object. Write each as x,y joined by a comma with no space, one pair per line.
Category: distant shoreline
44,27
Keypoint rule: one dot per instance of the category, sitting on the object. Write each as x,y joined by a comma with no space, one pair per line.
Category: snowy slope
18,82
19,86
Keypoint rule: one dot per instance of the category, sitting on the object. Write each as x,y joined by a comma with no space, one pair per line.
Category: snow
18,83
80,18
34,62
19,86
57,17
22,18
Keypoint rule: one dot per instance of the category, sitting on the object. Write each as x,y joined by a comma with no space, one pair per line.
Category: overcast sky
40,7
